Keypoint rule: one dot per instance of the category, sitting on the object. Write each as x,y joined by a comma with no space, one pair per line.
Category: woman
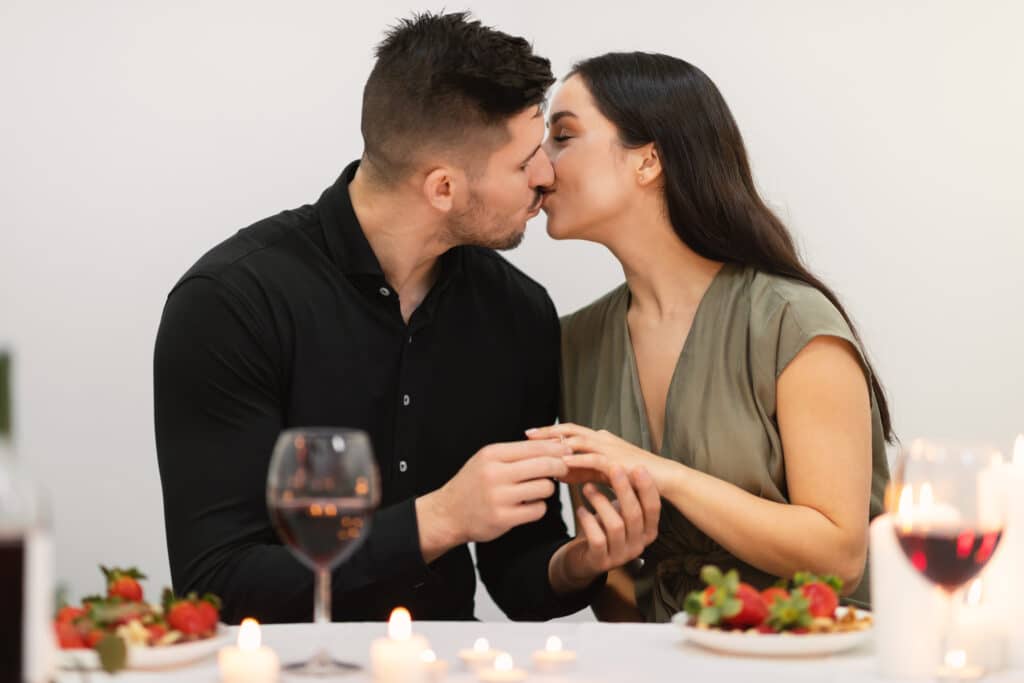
721,365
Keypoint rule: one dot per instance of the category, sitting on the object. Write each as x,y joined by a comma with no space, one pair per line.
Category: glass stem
322,597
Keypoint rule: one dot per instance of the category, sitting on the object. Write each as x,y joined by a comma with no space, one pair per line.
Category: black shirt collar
346,241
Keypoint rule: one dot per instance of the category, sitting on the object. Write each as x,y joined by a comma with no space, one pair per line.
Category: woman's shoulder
596,317
776,297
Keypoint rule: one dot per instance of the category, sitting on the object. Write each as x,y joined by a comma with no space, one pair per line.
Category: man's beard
477,226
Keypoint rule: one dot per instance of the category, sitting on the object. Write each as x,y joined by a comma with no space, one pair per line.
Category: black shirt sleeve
514,567
218,411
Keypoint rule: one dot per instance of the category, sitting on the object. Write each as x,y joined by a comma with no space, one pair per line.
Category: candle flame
927,497
503,662
1018,451
906,506
249,635
481,645
554,644
428,656
956,659
975,592
400,624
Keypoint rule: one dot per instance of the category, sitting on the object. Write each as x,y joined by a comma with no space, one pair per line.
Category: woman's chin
556,230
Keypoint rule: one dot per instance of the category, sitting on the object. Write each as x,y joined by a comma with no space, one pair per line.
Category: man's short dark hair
444,81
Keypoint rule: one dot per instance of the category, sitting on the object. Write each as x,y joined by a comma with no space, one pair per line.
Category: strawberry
789,613
209,614
770,595
753,610
822,593
68,636
123,583
156,632
94,636
185,616
68,614
726,601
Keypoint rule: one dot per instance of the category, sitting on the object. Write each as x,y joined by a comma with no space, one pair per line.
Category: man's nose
543,171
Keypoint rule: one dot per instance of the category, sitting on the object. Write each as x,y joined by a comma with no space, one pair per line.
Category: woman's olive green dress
720,413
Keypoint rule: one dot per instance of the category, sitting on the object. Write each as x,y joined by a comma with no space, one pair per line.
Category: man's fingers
596,540
611,521
528,491
545,467
527,513
629,505
650,502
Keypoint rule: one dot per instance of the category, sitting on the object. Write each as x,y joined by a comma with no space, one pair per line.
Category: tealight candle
554,657
503,671
399,657
480,655
437,669
249,661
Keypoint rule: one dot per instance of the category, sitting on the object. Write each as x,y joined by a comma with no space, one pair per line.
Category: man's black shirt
291,323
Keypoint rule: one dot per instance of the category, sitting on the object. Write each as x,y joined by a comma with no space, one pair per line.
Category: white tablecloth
608,653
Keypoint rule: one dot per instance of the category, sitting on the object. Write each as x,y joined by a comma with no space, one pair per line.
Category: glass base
321,665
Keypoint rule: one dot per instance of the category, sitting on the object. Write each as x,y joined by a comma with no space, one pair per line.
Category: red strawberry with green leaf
822,593
789,613
191,615
770,595
726,601
123,583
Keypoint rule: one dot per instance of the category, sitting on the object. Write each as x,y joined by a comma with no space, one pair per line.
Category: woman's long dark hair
712,202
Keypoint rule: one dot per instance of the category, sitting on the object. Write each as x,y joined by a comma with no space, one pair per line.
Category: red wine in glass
322,532
949,558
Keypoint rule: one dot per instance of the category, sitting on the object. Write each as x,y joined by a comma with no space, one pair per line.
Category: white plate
773,644
141,658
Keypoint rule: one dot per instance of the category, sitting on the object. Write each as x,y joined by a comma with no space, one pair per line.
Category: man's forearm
563,579
437,532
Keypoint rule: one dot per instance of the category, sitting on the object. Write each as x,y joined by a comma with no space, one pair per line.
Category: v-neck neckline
634,370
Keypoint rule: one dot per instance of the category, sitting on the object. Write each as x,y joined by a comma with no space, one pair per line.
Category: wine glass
949,516
322,488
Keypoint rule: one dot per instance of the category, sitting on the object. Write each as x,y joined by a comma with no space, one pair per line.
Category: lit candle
554,657
503,671
437,669
980,630
399,657
908,611
248,662
1003,487
481,654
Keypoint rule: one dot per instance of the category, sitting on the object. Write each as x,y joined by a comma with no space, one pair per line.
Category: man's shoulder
260,250
489,270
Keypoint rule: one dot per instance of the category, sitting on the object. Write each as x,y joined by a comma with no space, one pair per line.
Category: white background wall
136,134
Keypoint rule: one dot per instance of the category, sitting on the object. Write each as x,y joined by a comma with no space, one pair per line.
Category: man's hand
501,487
614,534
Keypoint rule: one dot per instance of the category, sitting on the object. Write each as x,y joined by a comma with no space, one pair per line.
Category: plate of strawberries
120,630
797,618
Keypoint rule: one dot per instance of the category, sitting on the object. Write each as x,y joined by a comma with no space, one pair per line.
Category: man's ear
440,186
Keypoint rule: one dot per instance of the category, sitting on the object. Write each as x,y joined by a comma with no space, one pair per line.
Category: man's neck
407,245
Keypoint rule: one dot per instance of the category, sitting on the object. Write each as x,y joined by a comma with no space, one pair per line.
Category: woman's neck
666,278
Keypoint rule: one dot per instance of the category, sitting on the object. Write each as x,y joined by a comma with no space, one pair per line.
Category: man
382,307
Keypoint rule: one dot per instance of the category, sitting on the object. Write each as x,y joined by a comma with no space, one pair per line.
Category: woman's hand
595,452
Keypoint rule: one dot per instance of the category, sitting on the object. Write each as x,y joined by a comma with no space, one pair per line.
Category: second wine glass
949,518
322,489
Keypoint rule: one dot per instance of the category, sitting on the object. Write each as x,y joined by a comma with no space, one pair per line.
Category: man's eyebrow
560,115
532,154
